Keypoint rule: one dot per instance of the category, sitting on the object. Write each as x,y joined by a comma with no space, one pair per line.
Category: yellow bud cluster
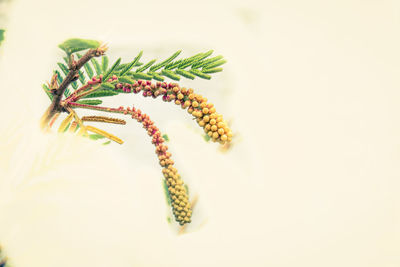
206,116
179,198
197,105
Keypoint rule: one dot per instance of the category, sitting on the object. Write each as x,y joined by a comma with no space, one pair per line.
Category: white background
311,89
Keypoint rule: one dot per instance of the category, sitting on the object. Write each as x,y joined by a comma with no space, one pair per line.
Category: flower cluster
181,206
197,105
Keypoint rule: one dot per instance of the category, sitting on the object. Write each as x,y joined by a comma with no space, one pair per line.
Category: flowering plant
98,80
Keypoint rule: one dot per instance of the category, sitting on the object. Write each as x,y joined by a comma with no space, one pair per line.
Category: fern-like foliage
200,65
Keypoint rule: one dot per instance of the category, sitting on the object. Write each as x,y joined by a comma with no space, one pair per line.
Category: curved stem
181,206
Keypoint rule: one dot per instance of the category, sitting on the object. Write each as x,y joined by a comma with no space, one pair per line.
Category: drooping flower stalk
181,206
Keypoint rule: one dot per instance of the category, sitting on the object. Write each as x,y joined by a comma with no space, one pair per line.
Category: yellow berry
207,127
191,96
212,110
215,135
210,133
213,115
221,131
205,110
202,123
195,104
212,121
214,128
224,137
206,118
180,96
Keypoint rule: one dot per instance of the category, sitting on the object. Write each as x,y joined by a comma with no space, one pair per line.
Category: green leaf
81,77
66,60
126,79
47,91
214,70
187,188
185,73
77,127
107,86
173,65
106,143
59,77
96,66
215,64
156,76
74,85
206,62
96,136
101,93
203,56
2,31
67,127
108,73
166,192
170,75
189,61
207,137
104,63
200,74
75,44
140,75
89,70
165,62
132,64
64,68
143,68
165,137
93,102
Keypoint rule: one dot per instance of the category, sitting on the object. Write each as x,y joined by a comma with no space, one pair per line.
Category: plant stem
55,105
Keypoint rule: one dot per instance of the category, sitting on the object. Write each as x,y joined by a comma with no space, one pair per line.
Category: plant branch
55,105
